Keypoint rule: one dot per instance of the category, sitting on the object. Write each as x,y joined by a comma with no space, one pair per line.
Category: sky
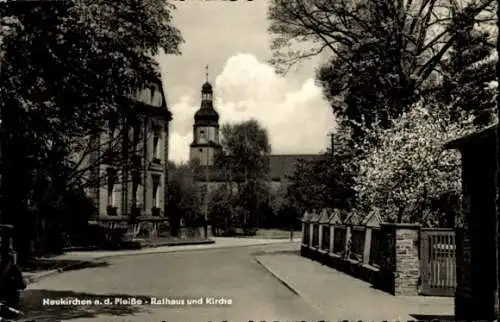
231,38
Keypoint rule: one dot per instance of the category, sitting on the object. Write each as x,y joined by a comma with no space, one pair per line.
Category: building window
202,137
112,127
112,192
156,191
136,136
201,150
157,145
136,181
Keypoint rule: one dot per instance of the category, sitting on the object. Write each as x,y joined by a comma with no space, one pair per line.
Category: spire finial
206,73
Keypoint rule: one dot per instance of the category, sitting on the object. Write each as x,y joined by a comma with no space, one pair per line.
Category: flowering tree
407,176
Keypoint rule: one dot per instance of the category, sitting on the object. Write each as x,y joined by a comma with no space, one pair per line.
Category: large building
130,177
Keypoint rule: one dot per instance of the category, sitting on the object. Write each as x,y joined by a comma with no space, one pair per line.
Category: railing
339,239
359,250
306,235
375,249
325,245
315,241
357,242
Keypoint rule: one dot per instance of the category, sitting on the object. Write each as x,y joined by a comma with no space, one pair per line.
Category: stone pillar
401,267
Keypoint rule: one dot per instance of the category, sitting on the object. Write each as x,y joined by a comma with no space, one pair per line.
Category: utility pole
497,182
206,198
331,142
246,169
206,172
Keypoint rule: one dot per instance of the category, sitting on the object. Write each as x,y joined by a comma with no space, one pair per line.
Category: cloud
297,118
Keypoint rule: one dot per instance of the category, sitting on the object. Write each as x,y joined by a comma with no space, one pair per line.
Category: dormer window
156,96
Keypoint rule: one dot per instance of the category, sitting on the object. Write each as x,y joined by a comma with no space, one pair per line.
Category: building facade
130,180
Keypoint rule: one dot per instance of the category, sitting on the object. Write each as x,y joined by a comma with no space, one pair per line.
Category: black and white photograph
249,160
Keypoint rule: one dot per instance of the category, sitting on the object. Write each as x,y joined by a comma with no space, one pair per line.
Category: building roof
280,166
283,165
460,142
151,99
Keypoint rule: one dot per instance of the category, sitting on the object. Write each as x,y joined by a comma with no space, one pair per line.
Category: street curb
145,246
79,265
148,251
288,286
276,276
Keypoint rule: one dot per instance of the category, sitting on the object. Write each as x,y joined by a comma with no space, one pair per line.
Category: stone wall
401,266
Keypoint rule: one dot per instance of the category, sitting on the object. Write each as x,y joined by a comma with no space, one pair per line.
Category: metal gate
438,262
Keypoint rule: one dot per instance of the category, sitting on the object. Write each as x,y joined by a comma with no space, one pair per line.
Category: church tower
205,129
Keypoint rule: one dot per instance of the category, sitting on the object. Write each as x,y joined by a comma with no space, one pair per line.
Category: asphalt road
245,290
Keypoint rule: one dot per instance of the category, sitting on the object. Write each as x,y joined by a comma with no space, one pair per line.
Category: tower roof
206,113
206,88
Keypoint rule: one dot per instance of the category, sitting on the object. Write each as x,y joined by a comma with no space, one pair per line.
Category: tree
408,177
245,159
467,75
183,196
220,204
383,53
65,71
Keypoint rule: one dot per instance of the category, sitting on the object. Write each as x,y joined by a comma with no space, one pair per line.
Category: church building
206,145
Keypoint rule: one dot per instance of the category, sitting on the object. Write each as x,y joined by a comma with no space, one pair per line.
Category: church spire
206,89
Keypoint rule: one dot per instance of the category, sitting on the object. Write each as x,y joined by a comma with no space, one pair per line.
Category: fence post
304,227
311,233
367,245
347,246
320,235
332,238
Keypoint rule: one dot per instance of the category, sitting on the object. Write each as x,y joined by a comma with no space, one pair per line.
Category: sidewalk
82,259
339,296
